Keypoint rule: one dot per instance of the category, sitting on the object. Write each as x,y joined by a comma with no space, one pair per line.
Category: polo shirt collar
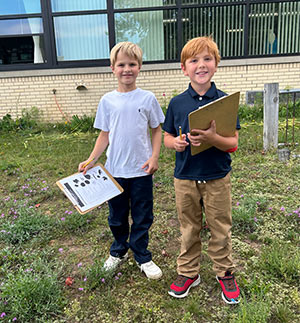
211,93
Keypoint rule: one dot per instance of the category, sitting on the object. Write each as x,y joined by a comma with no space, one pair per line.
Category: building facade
54,54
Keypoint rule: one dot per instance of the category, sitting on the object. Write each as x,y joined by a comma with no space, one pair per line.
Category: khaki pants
216,195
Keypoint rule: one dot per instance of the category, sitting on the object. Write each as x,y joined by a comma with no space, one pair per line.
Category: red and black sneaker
230,289
181,286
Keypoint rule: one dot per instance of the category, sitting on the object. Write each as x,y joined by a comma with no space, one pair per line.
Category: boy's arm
151,165
100,146
177,143
211,137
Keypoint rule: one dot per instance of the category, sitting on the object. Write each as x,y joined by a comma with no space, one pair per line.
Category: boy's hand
86,165
180,144
151,165
197,136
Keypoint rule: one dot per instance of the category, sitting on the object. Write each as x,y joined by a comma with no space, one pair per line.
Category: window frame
51,61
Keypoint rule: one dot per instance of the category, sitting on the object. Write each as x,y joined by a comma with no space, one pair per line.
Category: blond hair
127,48
196,46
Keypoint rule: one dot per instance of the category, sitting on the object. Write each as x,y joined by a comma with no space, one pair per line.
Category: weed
283,314
254,311
27,121
276,259
31,294
24,224
246,214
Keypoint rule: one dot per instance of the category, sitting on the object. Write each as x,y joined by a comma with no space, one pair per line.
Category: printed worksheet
91,189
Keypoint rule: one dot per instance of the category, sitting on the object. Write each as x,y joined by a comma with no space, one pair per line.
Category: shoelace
179,280
228,282
149,264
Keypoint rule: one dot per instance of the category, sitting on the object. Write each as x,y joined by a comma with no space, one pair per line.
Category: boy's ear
183,69
112,68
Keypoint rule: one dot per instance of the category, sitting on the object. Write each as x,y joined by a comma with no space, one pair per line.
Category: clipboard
88,191
224,111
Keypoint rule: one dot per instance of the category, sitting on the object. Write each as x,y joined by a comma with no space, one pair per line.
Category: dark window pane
274,28
16,50
170,34
224,24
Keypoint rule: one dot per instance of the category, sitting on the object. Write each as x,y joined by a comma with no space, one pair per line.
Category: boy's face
200,69
126,70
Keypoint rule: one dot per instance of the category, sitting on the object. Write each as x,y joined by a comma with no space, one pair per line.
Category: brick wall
25,89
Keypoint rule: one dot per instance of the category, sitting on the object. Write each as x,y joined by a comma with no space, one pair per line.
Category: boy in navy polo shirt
204,177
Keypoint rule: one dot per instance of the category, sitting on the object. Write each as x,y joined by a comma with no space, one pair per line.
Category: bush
250,113
28,120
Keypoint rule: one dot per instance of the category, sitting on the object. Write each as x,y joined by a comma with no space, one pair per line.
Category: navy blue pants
137,197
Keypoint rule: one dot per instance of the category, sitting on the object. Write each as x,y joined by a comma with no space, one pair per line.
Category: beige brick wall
25,89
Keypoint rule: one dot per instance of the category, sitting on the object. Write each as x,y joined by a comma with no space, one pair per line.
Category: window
129,4
81,37
21,33
224,23
77,5
274,28
144,29
71,33
17,7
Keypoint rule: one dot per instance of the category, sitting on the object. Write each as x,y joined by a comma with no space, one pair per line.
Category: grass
44,241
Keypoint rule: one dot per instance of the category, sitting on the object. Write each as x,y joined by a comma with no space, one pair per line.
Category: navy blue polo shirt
209,164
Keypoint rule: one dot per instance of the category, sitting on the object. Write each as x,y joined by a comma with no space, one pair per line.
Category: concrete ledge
147,67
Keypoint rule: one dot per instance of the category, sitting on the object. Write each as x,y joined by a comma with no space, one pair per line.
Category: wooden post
271,109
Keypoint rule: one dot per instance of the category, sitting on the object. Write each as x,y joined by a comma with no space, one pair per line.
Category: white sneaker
150,269
113,262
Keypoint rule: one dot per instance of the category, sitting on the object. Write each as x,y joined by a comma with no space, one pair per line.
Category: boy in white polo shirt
126,116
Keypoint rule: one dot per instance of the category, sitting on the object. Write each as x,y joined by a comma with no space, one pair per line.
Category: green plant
250,113
7,123
287,109
245,214
254,311
283,314
96,276
23,225
31,294
276,259
28,120
254,286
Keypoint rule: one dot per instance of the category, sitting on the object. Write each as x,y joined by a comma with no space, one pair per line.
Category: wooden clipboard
88,191
224,111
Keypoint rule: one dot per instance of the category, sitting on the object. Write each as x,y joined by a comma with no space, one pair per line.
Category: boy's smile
200,69
126,70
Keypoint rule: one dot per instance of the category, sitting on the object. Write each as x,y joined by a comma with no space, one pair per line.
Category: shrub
28,120
250,113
